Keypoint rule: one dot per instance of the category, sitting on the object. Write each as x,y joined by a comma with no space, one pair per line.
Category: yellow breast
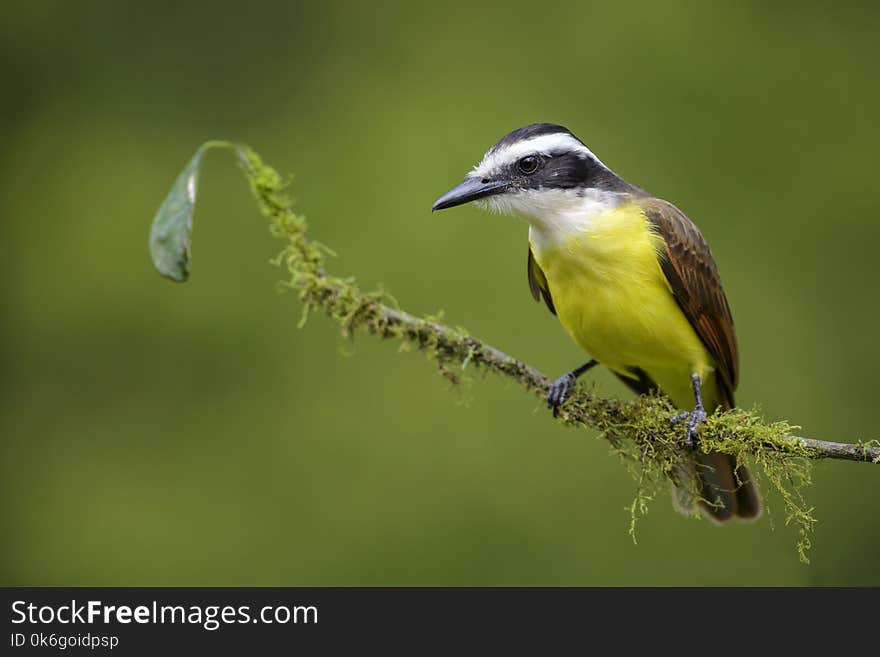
614,301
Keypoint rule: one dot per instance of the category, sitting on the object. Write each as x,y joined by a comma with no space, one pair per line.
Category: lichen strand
639,431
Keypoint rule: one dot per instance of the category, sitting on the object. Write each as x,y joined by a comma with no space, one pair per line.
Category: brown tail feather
717,486
726,489
748,500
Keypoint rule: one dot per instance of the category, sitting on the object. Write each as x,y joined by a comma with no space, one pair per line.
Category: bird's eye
528,164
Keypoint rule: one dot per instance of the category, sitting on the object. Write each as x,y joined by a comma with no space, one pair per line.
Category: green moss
870,444
639,431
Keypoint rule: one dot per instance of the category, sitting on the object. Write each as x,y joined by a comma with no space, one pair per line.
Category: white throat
554,215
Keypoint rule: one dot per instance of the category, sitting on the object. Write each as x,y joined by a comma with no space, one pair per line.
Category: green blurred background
156,434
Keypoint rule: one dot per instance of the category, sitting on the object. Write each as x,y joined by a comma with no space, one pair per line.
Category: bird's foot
694,420
559,391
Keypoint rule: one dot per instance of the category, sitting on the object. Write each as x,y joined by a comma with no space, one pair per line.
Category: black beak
469,190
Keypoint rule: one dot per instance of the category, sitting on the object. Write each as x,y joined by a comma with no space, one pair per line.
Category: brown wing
693,277
538,283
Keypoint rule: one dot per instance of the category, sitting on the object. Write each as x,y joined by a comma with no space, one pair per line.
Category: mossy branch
639,430
342,300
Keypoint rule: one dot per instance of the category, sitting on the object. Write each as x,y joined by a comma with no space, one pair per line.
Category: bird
633,283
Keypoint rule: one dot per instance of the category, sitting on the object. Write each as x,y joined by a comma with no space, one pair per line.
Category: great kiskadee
633,283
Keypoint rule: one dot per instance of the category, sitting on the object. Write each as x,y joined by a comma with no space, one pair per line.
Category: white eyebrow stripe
546,144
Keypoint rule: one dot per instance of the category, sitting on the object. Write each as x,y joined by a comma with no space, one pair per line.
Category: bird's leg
694,417
562,387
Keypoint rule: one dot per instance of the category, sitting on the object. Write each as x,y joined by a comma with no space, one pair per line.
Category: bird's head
535,171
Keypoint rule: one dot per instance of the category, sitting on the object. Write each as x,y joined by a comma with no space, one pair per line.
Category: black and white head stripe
568,156
539,170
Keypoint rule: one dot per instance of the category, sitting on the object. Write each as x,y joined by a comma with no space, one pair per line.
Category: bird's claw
559,391
694,420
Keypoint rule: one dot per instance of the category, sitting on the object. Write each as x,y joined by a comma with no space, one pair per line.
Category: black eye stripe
555,170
